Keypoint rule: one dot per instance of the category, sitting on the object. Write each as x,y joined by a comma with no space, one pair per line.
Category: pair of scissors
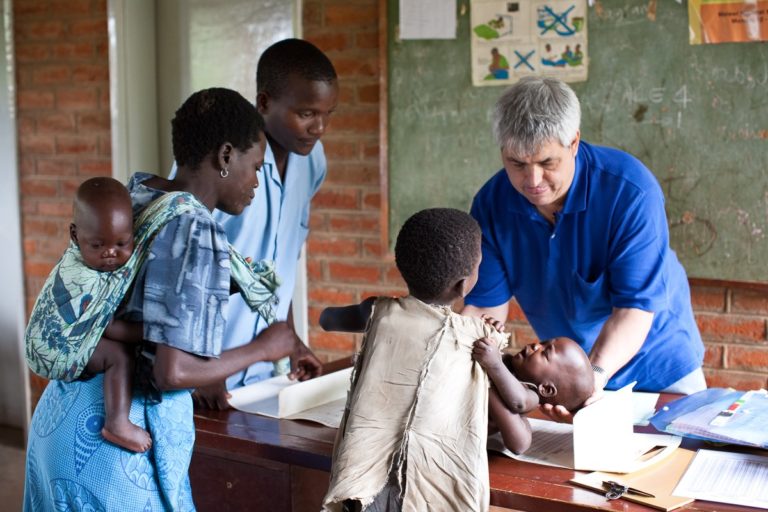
617,490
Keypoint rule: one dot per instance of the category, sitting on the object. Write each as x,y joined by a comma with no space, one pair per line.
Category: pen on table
725,415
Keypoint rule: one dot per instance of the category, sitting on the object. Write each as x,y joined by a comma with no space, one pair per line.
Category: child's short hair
435,248
208,119
291,56
99,190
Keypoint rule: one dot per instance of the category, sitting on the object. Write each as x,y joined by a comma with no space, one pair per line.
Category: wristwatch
600,372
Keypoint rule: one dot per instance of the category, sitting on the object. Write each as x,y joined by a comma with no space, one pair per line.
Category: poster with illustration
514,39
727,21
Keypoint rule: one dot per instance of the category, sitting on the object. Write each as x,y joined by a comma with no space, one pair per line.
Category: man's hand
562,415
556,413
213,397
600,381
304,364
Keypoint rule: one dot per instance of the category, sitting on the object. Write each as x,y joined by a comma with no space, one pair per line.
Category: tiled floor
11,468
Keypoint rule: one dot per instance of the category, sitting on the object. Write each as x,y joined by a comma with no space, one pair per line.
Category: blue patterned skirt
71,467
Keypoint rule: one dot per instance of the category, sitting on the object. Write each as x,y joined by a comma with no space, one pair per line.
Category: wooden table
248,462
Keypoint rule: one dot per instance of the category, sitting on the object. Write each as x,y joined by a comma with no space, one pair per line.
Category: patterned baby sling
77,303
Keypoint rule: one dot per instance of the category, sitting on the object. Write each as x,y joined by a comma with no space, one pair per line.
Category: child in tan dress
414,432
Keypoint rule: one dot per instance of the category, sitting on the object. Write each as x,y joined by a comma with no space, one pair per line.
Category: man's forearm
498,312
620,339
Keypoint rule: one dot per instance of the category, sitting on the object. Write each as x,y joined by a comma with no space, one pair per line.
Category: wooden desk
248,462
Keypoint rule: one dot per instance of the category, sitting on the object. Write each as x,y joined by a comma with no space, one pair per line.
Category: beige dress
413,435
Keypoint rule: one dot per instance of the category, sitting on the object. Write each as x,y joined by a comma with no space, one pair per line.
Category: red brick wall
62,78
732,320
63,123
346,260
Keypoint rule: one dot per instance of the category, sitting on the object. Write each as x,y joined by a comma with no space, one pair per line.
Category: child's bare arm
124,332
518,398
352,318
515,429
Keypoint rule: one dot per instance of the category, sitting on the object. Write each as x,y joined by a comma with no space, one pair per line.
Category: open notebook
600,439
321,399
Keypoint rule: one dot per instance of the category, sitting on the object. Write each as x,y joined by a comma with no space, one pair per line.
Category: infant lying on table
414,431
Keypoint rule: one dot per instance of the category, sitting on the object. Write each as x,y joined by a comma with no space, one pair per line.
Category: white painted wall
14,388
133,104
161,51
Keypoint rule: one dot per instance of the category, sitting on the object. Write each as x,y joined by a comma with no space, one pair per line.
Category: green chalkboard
697,116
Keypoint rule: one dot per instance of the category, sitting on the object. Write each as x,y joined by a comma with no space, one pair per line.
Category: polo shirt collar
269,161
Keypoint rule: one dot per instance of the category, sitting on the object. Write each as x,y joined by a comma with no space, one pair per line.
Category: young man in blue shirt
297,91
578,235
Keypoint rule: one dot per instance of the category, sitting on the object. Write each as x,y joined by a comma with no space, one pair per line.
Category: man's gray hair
533,112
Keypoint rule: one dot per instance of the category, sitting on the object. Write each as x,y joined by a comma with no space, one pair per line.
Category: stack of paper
726,477
718,414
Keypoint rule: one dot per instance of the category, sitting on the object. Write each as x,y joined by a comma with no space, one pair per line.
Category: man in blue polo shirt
577,234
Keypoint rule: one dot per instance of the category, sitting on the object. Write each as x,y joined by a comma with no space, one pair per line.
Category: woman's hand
214,397
280,340
276,341
304,364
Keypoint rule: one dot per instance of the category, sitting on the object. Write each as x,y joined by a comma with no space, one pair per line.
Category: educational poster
727,21
514,39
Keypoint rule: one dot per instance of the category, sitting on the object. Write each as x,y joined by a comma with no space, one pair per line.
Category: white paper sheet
552,445
643,406
726,477
320,400
326,414
427,19
602,433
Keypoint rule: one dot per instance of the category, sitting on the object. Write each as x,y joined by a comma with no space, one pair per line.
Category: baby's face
539,362
107,243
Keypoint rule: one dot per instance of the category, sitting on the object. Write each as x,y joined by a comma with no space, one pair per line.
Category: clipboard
659,479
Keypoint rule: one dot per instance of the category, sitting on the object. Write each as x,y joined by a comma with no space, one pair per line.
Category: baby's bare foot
128,436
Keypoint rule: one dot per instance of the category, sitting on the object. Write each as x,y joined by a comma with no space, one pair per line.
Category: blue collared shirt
273,227
609,247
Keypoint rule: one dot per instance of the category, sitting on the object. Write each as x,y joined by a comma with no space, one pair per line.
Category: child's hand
496,324
487,353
